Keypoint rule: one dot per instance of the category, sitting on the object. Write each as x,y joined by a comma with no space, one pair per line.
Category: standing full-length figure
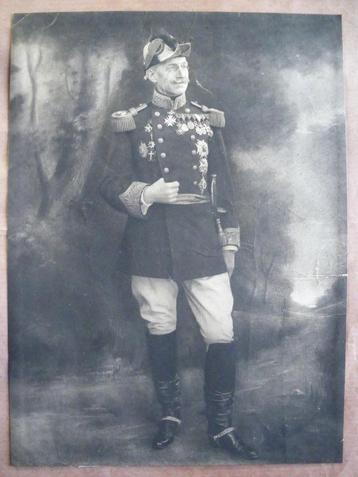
163,156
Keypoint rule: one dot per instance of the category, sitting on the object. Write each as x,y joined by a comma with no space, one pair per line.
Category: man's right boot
219,395
162,354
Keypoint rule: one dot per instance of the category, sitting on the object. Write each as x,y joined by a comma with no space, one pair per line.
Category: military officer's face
171,77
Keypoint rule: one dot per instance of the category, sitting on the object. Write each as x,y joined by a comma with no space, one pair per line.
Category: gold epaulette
123,121
216,117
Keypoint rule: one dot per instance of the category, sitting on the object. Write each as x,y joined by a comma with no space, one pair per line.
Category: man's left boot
219,396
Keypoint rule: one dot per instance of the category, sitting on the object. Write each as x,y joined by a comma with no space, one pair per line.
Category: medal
203,166
184,128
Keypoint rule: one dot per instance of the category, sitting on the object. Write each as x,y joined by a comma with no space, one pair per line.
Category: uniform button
194,152
163,155
192,137
195,167
157,113
166,170
159,126
195,182
187,110
160,140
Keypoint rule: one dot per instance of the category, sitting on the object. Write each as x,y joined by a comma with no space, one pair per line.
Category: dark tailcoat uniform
178,142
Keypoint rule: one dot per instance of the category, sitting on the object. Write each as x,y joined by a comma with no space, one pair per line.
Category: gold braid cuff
231,237
130,198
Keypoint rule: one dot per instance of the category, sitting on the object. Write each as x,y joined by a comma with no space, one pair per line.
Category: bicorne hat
163,47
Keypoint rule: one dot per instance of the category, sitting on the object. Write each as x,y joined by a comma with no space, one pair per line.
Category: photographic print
176,239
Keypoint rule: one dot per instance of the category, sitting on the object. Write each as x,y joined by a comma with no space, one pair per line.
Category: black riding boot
219,397
162,353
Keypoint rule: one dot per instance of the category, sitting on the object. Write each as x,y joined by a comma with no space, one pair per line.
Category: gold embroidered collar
163,101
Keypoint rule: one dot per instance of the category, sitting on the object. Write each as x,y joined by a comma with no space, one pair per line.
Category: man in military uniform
162,158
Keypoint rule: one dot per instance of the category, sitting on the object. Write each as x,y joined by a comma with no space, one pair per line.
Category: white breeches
210,299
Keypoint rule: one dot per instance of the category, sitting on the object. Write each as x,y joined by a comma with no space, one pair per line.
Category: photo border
348,9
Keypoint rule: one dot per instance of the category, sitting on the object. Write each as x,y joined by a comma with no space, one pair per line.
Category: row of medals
189,122
184,123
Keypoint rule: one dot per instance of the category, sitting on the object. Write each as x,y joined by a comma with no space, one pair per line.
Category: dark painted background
80,391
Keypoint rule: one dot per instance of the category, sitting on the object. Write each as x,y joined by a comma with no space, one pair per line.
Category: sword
217,210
